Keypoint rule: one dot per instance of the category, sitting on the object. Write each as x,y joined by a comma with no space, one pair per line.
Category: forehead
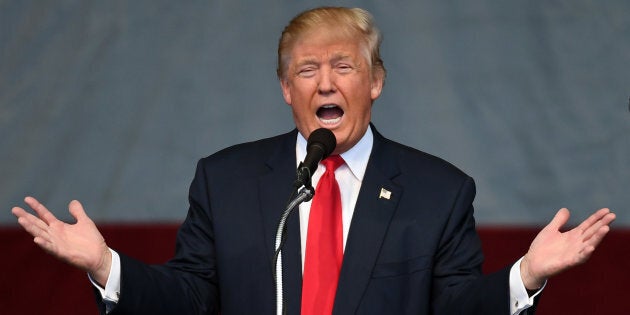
320,43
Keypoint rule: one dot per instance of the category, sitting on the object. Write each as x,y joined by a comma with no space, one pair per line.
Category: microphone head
321,143
323,138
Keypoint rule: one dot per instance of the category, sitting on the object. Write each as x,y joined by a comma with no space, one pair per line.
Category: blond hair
347,23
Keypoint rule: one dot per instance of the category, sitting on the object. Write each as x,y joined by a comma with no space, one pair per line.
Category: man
408,233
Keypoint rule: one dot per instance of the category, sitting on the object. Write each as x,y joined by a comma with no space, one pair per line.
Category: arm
551,252
187,284
459,286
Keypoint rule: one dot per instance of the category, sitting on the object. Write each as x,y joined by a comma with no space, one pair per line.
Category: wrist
101,273
530,281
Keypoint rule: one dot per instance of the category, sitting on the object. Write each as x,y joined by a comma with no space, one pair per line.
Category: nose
326,84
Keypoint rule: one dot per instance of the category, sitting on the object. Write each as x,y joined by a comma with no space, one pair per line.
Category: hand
552,251
79,244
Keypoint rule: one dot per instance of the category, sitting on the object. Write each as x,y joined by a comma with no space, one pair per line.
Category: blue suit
414,253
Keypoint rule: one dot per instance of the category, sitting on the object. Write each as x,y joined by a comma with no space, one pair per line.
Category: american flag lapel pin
386,194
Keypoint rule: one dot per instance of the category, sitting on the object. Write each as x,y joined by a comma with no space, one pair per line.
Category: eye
343,68
306,72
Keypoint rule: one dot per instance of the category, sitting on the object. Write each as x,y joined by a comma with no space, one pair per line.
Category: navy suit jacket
414,253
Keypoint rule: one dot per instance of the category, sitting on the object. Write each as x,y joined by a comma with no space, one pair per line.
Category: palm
80,244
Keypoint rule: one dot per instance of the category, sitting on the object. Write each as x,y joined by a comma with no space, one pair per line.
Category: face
328,83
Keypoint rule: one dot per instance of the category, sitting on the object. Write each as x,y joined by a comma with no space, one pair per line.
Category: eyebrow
339,57
313,61
307,61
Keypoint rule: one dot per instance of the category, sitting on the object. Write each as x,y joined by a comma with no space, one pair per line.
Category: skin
328,71
553,252
80,244
322,71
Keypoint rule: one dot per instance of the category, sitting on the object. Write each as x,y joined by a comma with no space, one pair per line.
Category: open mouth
330,114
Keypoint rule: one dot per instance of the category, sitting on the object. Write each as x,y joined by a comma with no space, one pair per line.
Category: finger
41,210
26,218
559,220
23,215
77,211
591,245
33,225
602,222
599,234
585,254
18,212
35,222
593,219
594,223
45,244
609,218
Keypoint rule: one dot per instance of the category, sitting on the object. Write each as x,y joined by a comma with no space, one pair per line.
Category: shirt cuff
519,299
111,292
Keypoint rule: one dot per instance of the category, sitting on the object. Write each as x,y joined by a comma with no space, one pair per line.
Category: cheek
302,116
300,93
366,114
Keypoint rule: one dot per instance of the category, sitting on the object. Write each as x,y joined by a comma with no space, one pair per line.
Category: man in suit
407,227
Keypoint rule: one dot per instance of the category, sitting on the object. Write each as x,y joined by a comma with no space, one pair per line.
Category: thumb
559,220
76,210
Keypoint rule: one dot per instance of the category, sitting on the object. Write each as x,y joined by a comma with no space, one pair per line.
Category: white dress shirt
349,176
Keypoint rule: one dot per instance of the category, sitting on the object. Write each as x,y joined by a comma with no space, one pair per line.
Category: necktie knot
333,162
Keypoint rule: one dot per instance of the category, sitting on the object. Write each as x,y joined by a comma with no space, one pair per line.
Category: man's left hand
553,251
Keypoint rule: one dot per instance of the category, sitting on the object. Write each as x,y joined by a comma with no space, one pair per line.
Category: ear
286,91
376,88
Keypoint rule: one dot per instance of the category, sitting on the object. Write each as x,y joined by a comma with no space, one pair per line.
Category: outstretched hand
553,252
79,244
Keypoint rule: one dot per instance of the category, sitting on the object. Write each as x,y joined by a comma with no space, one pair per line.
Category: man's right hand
79,244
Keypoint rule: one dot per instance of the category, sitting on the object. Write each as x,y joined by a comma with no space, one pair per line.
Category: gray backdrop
113,102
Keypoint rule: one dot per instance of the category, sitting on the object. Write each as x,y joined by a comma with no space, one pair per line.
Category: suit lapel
274,188
376,204
371,218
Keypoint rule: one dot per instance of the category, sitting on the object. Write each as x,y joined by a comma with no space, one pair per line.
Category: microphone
321,143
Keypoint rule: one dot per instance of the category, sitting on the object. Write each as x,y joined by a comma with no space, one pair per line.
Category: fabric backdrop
112,102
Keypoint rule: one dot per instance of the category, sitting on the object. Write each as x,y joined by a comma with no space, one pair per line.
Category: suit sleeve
459,287
187,284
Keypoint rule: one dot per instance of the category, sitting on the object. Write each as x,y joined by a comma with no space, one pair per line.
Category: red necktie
324,244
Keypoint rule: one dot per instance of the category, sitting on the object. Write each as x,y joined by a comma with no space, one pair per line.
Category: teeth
330,121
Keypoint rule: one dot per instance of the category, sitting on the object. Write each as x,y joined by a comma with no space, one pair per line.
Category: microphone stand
305,194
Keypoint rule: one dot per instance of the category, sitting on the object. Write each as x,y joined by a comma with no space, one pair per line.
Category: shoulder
250,154
416,162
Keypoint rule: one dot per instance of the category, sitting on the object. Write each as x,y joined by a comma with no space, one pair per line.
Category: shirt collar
356,158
